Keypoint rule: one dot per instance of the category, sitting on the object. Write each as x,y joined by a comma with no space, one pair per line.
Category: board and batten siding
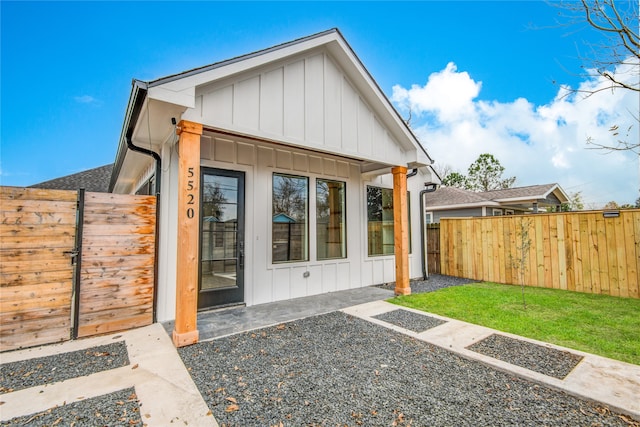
307,102
265,281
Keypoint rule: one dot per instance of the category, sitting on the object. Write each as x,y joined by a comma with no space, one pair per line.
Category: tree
619,51
485,174
574,203
455,179
290,196
521,259
213,200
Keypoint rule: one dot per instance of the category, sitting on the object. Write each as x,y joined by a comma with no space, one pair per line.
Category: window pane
289,216
218,248
330,219
380,221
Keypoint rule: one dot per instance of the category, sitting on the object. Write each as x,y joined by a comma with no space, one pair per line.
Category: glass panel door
221,238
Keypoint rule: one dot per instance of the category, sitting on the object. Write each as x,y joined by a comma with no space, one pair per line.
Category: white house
280,174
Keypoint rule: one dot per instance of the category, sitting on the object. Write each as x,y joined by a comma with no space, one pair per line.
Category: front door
221,238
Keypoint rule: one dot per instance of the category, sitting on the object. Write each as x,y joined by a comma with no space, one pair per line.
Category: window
330,219
428,218
497,212
289,218
380,221
509,212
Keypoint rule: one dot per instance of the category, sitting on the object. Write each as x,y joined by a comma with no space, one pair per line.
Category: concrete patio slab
163,386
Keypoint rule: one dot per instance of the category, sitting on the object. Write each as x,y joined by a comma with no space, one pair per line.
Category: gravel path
46,370
336,369
409,320
120,408
547,361
433,283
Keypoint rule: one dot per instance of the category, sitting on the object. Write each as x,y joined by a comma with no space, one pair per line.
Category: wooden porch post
185,331
401,230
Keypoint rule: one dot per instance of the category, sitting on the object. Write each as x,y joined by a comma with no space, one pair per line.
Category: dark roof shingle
95,180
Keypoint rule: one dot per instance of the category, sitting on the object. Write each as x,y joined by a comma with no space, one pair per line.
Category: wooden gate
433,248
117,260
55,244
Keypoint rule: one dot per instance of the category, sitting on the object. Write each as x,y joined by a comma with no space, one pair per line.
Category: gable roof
178,94
94,180
456,198
531,192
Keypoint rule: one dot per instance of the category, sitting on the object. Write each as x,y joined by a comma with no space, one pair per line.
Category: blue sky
67,69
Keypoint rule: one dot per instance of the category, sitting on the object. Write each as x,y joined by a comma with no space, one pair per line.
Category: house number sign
190,196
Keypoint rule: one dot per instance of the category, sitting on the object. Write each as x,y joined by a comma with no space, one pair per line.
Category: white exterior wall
264,280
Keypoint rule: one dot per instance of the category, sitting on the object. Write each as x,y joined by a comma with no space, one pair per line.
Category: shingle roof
95,180
452,196
445,196
531,191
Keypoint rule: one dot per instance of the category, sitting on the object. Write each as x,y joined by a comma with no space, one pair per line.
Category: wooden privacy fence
578,251
74,264
433,248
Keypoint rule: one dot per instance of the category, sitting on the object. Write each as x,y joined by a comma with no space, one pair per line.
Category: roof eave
134,107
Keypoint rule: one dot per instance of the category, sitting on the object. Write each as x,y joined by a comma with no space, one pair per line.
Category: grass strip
598,324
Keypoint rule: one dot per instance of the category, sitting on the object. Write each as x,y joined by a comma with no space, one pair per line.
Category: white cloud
537,144
87,99
448,93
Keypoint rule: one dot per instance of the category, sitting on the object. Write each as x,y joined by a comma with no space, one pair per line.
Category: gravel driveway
336,369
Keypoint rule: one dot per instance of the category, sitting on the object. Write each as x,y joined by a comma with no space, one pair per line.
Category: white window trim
496,212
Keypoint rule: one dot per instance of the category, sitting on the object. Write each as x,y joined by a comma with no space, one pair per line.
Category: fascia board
521,199
560,192
182,90
460,206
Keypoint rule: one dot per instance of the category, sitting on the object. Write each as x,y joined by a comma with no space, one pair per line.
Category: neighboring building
298,156
455,202
95,180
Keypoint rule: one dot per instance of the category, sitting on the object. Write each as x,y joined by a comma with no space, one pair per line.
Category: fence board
633,254
22,193
36,228
581,251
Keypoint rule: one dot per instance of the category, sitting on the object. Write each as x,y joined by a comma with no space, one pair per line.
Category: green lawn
598,324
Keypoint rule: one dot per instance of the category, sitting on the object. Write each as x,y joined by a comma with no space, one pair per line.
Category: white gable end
308,102
313,93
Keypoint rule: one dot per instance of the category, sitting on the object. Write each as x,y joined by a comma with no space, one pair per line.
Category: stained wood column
185,331
401,230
